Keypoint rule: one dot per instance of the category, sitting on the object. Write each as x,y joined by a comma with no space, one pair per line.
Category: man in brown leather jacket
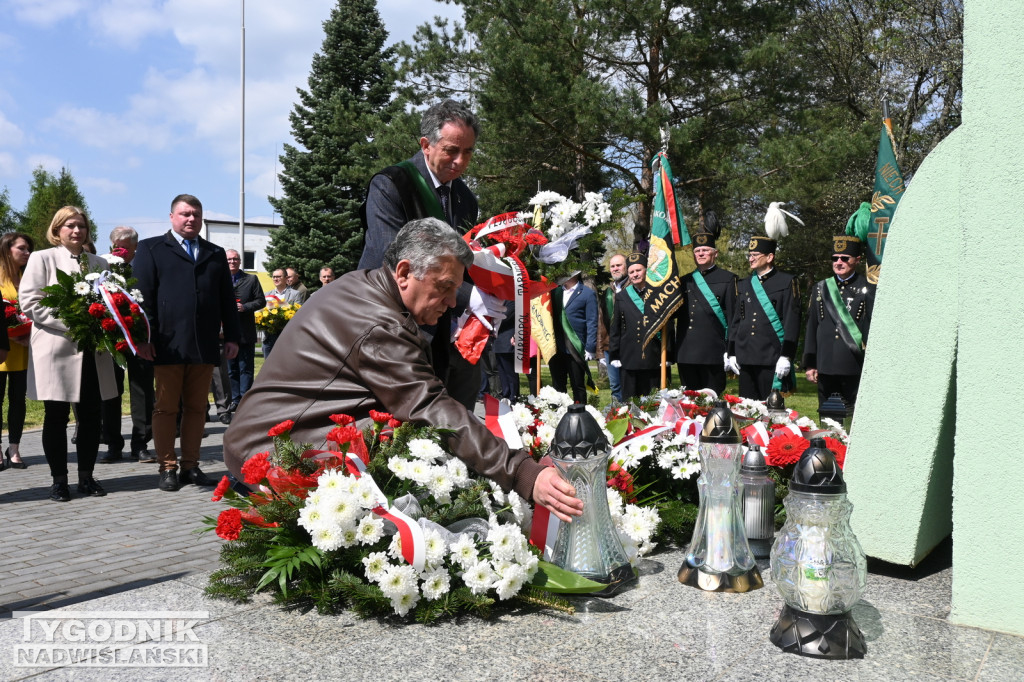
358,347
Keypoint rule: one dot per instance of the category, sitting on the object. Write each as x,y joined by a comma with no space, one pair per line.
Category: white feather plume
775,222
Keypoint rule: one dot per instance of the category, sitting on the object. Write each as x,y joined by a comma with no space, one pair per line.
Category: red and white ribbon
101,287
544,530
499,420
756,434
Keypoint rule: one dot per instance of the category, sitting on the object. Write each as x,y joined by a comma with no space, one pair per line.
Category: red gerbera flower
97,310
222,487
837,448
229,524
785,449
256,467
282,428
342,419
380,417
731,399
535,238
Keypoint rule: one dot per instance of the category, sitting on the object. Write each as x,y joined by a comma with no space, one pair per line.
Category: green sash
577,351
709,296
773,317
855,341
426,193
609,302
635,297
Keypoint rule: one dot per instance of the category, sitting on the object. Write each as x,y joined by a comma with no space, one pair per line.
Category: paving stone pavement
135,551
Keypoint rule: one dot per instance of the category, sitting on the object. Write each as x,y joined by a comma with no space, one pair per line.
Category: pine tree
47,194
334,123
10,220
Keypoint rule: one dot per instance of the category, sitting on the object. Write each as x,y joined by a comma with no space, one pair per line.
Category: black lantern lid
719,426
817,471
753,461
775,400
579,436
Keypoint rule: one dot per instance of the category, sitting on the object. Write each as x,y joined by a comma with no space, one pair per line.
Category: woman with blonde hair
15,249
58,373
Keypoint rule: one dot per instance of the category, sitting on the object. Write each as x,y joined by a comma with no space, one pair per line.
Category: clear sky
140,99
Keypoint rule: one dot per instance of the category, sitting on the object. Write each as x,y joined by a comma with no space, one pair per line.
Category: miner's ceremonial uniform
752,335
640,366
701,327
838,319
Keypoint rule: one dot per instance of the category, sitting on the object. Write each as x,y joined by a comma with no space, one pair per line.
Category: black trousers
463,378
639,382
696,377
563,367
18,383
507,374
55,426
756,381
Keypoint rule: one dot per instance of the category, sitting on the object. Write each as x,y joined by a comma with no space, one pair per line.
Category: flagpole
664,359
539,354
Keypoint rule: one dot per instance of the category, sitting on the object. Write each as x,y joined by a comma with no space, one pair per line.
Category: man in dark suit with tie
187,294
575,319
430,185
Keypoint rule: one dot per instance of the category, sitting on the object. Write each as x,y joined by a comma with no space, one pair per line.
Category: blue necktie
444,192
190,247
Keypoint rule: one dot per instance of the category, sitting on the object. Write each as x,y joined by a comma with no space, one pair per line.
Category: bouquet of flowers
386,521
273,318
18,323
100,311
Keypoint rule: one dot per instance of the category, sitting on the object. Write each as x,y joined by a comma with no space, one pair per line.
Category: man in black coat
640,366
430,185
702,322
766,325
187,294
249,298
838,320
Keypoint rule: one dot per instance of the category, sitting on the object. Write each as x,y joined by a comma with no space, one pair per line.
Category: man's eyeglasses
845,259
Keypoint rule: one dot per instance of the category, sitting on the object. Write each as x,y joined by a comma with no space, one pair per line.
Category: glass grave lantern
719,558
590,545
758,502
776,404
817,563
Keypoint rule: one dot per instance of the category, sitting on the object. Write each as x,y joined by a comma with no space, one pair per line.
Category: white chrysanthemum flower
546,433
399,466
635,525
546,197
399,579
806,423
458,473
375,565
349,537
92,277
331,480
517,505
504,540
403,603
464,551
395,548
419,471
421,448
440,485
82,289
684,470
615,504
137,295
343,510
511,582
522,416
327,538
434,545
836,428
479,577
436,583
370,529
366,494
530,564
497,493
117,278
312,516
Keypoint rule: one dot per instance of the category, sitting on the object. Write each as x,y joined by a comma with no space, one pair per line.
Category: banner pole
664,360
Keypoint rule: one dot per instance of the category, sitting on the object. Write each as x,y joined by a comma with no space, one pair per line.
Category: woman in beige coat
58,374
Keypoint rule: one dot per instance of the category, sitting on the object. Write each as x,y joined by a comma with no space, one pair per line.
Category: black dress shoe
60,492
144,456
89,486
110,458
225,418
168,481
195,475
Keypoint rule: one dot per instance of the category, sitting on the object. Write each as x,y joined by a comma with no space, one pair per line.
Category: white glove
483,305
725,362
616,364
588,356
602,361
733,365
782,367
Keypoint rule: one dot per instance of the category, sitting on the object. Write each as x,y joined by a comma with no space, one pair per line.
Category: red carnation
121,346
134,307
256,467
229,524
731,399
282,428
380,417
343,434
394,423
108,325
97,310
128,320
120,299
10,311
837,448
222,487
785,449
342,419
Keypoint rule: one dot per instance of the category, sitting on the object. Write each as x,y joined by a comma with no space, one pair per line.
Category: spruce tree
49,192
334,124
